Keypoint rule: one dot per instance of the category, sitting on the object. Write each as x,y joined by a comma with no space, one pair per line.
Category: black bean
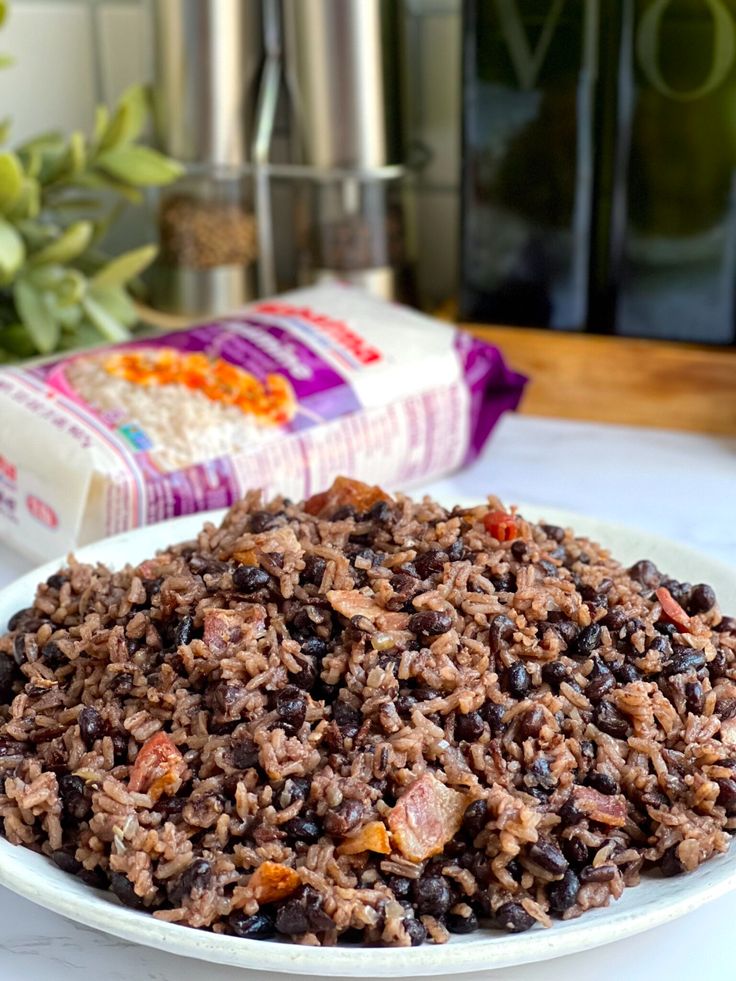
314,569
554,673
347,816
661,644
668,629
263,521
416,931
56,581
469,726
302,828
122,684
344,512
250,578
514,918
679,591
72,793
53,655
66,862
505,583
727,625
296,788
587,641
20,616
626,673
694,697
303,913
609,720
96,878
600,681
493,713
567,630
575,851
719,665
614,619
120,746
91,726
379,512
197,875
399,886
314,647
430,623
531,723
600,873
348,719
670,864
540,774
601,781
548,568
475,818
727,794
430,563
563,893
122,887
554,532
684,659
461,922
8,674
645,573
152,588
183,631
501,632
291,706
702,598
259,926
431,895
19,649
726,708
518,681
546,854
519,551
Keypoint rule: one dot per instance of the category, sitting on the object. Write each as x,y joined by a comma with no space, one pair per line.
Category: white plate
654,902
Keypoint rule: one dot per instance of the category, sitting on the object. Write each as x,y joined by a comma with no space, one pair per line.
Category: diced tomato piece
672,609
504,527
426,817
158,767
345,491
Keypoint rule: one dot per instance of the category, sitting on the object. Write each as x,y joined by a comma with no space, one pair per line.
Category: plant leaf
15,339
5,129
11,180
70,244
140,166
35,314
3,11
6,60
117,302
125,267
102,118
128,120
101,182
12,252
106,324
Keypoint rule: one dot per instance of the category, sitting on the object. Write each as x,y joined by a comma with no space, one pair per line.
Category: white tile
51,84
125,40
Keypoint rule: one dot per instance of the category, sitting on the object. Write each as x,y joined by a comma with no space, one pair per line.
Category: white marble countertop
682,486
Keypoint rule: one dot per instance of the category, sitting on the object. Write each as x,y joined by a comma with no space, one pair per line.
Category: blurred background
553,163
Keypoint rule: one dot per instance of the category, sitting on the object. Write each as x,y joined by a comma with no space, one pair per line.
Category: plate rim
491,951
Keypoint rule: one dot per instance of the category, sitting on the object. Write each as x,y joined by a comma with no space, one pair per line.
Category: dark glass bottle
665,257
528,123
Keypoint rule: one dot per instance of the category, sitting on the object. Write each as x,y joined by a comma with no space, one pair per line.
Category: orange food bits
503,526
158,767
426,817
672,609
272,881
346,492
372,837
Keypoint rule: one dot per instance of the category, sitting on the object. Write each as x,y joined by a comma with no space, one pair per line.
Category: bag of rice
283,395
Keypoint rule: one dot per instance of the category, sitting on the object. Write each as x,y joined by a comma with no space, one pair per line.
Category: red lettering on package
8,471
338,330
42,511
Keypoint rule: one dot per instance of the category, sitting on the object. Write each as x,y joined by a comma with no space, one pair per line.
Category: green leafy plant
58,197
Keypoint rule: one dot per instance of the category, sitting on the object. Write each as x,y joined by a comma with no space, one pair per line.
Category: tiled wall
71,54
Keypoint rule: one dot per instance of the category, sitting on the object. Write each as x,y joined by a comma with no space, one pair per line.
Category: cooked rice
517,728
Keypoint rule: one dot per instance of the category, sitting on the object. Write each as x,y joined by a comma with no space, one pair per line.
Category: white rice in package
284,395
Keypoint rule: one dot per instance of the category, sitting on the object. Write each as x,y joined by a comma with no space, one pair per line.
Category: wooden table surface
621,380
